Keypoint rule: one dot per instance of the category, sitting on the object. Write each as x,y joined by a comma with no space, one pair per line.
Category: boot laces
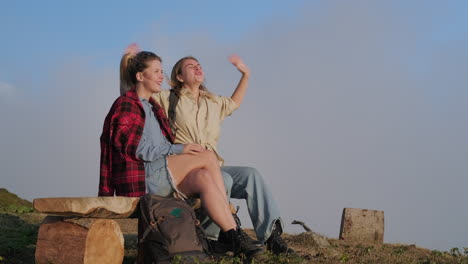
242,235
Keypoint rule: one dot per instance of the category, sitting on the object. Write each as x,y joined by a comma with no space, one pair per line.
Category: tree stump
83,240
362,225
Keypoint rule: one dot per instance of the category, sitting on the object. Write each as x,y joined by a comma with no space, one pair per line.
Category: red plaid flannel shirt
121,171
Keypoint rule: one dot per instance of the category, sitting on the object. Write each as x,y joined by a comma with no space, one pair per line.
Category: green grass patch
15,237
10,203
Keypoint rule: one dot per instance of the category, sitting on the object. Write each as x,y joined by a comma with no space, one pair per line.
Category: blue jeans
247,183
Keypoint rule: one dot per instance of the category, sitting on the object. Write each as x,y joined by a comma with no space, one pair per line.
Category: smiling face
191,73
151,78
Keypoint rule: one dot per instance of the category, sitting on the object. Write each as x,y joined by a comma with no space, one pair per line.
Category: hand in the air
132,49
239,64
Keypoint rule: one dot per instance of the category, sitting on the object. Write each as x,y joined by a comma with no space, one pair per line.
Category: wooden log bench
82,229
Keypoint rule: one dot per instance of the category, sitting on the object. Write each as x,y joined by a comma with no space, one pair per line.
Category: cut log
97,207
362,225
73,241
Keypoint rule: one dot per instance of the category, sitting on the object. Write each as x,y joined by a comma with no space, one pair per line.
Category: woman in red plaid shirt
138,157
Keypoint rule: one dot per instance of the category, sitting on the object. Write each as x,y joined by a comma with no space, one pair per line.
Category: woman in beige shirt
196,115
138,154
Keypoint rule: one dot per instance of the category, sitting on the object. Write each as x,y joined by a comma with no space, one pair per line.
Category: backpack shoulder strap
173,101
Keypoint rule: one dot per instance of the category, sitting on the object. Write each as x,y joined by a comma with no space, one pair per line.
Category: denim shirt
153,144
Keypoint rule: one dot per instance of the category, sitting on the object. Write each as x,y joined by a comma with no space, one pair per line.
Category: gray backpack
168,230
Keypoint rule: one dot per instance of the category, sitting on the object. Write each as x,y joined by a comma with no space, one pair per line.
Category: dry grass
22,228
341,252
18,234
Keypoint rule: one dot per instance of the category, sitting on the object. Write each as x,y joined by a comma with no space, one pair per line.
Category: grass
11,204
17,235
17,239
19,226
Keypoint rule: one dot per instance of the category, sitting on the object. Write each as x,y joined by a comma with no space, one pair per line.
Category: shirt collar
132,94
185,91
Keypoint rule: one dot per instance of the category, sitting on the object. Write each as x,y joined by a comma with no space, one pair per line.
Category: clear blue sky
351,103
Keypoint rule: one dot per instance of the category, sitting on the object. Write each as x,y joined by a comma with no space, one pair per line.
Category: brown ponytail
125,82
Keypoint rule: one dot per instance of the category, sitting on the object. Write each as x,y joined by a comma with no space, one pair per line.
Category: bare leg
191,180
181,165
199,181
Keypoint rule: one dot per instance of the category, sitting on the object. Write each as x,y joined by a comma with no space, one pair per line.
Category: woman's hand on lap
193,148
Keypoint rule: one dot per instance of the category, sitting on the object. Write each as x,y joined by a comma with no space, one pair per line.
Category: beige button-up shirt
198,122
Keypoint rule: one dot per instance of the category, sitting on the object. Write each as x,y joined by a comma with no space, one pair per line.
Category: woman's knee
252,172
210,157
253,175
227,179
203,178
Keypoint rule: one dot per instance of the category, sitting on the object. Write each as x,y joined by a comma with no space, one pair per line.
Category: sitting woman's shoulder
161,97
161,94
126,111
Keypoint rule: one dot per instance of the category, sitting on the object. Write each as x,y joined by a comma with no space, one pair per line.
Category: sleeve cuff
177,148
105,194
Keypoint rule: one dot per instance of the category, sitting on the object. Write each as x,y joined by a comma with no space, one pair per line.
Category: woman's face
152,77
192,73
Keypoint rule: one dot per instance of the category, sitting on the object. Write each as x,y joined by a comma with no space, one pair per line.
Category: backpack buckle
159,220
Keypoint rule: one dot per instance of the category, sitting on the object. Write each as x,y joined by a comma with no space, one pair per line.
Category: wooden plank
96,207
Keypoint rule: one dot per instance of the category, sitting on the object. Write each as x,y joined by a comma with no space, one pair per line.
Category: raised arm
125,82
239,93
